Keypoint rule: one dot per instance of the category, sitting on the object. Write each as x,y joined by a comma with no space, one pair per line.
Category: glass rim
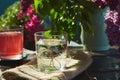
42,32
60,35
11,29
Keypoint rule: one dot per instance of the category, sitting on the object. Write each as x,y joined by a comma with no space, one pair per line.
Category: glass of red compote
11,44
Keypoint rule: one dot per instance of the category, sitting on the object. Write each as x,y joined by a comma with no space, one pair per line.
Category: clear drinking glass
11,44
51,51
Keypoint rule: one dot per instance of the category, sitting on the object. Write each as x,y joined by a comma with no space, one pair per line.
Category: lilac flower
116,19
33,26
100,3
113,32
112,19
118,8
109,16
31,21
30,11
25,4
103,3
112,4
20,15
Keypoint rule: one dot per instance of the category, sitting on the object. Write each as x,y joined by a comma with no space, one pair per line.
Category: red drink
11,45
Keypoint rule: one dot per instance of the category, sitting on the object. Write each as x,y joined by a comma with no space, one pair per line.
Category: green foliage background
64,15
9,18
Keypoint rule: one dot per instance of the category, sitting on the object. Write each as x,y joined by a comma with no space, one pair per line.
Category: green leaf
9,18
63,13
37,4
47,34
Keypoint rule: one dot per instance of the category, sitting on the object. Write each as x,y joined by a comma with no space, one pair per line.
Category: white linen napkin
79,62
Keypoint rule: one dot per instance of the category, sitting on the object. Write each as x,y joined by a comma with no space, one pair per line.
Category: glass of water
51,51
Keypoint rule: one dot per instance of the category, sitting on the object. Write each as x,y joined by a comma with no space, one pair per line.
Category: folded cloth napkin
29,71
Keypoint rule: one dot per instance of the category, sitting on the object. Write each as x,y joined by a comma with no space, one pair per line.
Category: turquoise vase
99,41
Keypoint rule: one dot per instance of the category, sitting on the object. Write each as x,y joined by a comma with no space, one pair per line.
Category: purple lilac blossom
25,4
33,26
116,19
112,33
118,8
19,16
109,17
103,3
112,4
30,11
33,23
100,3
112,20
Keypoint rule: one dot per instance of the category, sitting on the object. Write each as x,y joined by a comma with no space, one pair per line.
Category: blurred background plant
54,15
9,17
65,15
112,19
27,19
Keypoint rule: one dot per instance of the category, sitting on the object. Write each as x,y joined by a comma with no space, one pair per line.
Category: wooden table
105,66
